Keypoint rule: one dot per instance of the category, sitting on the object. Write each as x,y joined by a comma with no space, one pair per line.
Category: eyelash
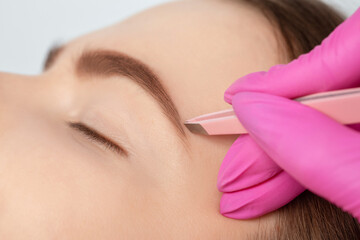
97,137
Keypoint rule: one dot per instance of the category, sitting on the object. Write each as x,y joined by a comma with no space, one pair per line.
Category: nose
46,95
16,90
24,97
32,142
37,91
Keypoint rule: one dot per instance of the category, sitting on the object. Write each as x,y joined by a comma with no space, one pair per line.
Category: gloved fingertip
258,112
245,83
231,207
228,97
235,208
245,165
261,199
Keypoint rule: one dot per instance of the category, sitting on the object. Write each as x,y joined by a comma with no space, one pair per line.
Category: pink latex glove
291,146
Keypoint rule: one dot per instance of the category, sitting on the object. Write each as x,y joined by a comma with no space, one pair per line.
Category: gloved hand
291,146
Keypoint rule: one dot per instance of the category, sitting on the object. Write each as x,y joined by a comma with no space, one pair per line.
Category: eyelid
98,137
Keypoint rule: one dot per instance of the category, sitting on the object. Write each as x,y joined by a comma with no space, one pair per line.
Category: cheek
53,186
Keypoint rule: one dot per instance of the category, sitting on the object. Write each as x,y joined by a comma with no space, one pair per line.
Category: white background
29,27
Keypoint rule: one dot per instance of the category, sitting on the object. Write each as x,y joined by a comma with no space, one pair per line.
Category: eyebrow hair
108,63
52,55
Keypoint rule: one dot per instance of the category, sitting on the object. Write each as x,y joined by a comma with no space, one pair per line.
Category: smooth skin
57,184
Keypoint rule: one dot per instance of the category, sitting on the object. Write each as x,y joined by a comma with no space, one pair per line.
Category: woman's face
57,183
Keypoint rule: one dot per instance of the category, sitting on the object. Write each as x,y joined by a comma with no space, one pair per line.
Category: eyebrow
108,63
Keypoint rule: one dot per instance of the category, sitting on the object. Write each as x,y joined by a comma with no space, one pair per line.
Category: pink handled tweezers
341,105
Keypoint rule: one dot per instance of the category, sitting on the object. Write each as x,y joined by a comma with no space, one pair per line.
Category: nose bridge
24,91
15,89
52,93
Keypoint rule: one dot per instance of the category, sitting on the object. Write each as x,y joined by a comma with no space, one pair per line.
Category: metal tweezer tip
196,128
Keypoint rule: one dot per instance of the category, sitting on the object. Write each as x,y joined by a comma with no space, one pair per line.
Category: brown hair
300,25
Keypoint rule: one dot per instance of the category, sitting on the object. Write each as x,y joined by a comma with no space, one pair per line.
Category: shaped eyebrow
108,63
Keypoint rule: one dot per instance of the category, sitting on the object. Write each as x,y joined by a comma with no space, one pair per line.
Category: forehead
197,47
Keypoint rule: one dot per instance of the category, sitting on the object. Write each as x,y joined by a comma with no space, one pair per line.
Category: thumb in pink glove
291,146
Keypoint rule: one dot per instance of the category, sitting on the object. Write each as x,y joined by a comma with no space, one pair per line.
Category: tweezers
341,105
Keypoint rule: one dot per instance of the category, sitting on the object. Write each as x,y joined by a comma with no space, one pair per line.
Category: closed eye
98,137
